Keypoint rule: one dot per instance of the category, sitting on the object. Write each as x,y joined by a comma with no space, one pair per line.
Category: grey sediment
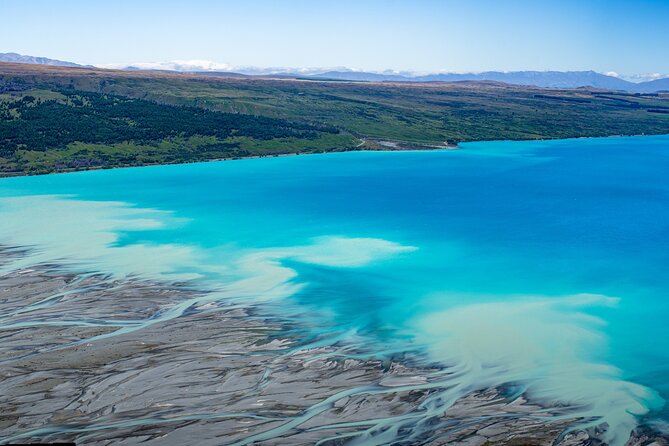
86,358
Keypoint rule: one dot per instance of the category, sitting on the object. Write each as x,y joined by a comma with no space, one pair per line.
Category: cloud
208,65
176,65
644,77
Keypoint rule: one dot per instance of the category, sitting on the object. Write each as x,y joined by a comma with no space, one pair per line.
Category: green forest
44,131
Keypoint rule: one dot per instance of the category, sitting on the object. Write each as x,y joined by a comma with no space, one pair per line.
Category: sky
626,37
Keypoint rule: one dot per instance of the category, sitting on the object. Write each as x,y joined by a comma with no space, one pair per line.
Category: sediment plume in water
91,358
183,346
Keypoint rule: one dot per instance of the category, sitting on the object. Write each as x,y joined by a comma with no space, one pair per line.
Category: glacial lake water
540,264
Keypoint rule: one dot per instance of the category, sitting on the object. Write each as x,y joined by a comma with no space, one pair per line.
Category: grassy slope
413,114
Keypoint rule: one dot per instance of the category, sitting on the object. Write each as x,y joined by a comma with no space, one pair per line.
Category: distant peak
20,58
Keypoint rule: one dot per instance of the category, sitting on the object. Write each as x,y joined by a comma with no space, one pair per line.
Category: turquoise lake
540,264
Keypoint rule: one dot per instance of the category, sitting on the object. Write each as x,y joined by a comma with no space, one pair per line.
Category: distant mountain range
20,58
548,79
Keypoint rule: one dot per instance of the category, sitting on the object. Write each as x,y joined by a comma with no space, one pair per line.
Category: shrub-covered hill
43,131
57,118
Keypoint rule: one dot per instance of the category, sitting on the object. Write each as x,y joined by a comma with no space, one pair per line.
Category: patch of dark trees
562,98
107,119
6,86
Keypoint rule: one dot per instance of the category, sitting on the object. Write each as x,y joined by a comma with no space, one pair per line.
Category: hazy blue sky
424,35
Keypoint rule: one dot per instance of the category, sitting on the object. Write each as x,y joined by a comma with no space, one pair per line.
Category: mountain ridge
38,60
544,79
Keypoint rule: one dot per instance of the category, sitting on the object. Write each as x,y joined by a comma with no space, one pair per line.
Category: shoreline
74,369
422,148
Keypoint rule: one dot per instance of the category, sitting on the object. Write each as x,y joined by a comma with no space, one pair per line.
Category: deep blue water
542,263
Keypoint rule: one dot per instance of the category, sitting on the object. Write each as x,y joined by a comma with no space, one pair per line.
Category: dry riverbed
89,359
